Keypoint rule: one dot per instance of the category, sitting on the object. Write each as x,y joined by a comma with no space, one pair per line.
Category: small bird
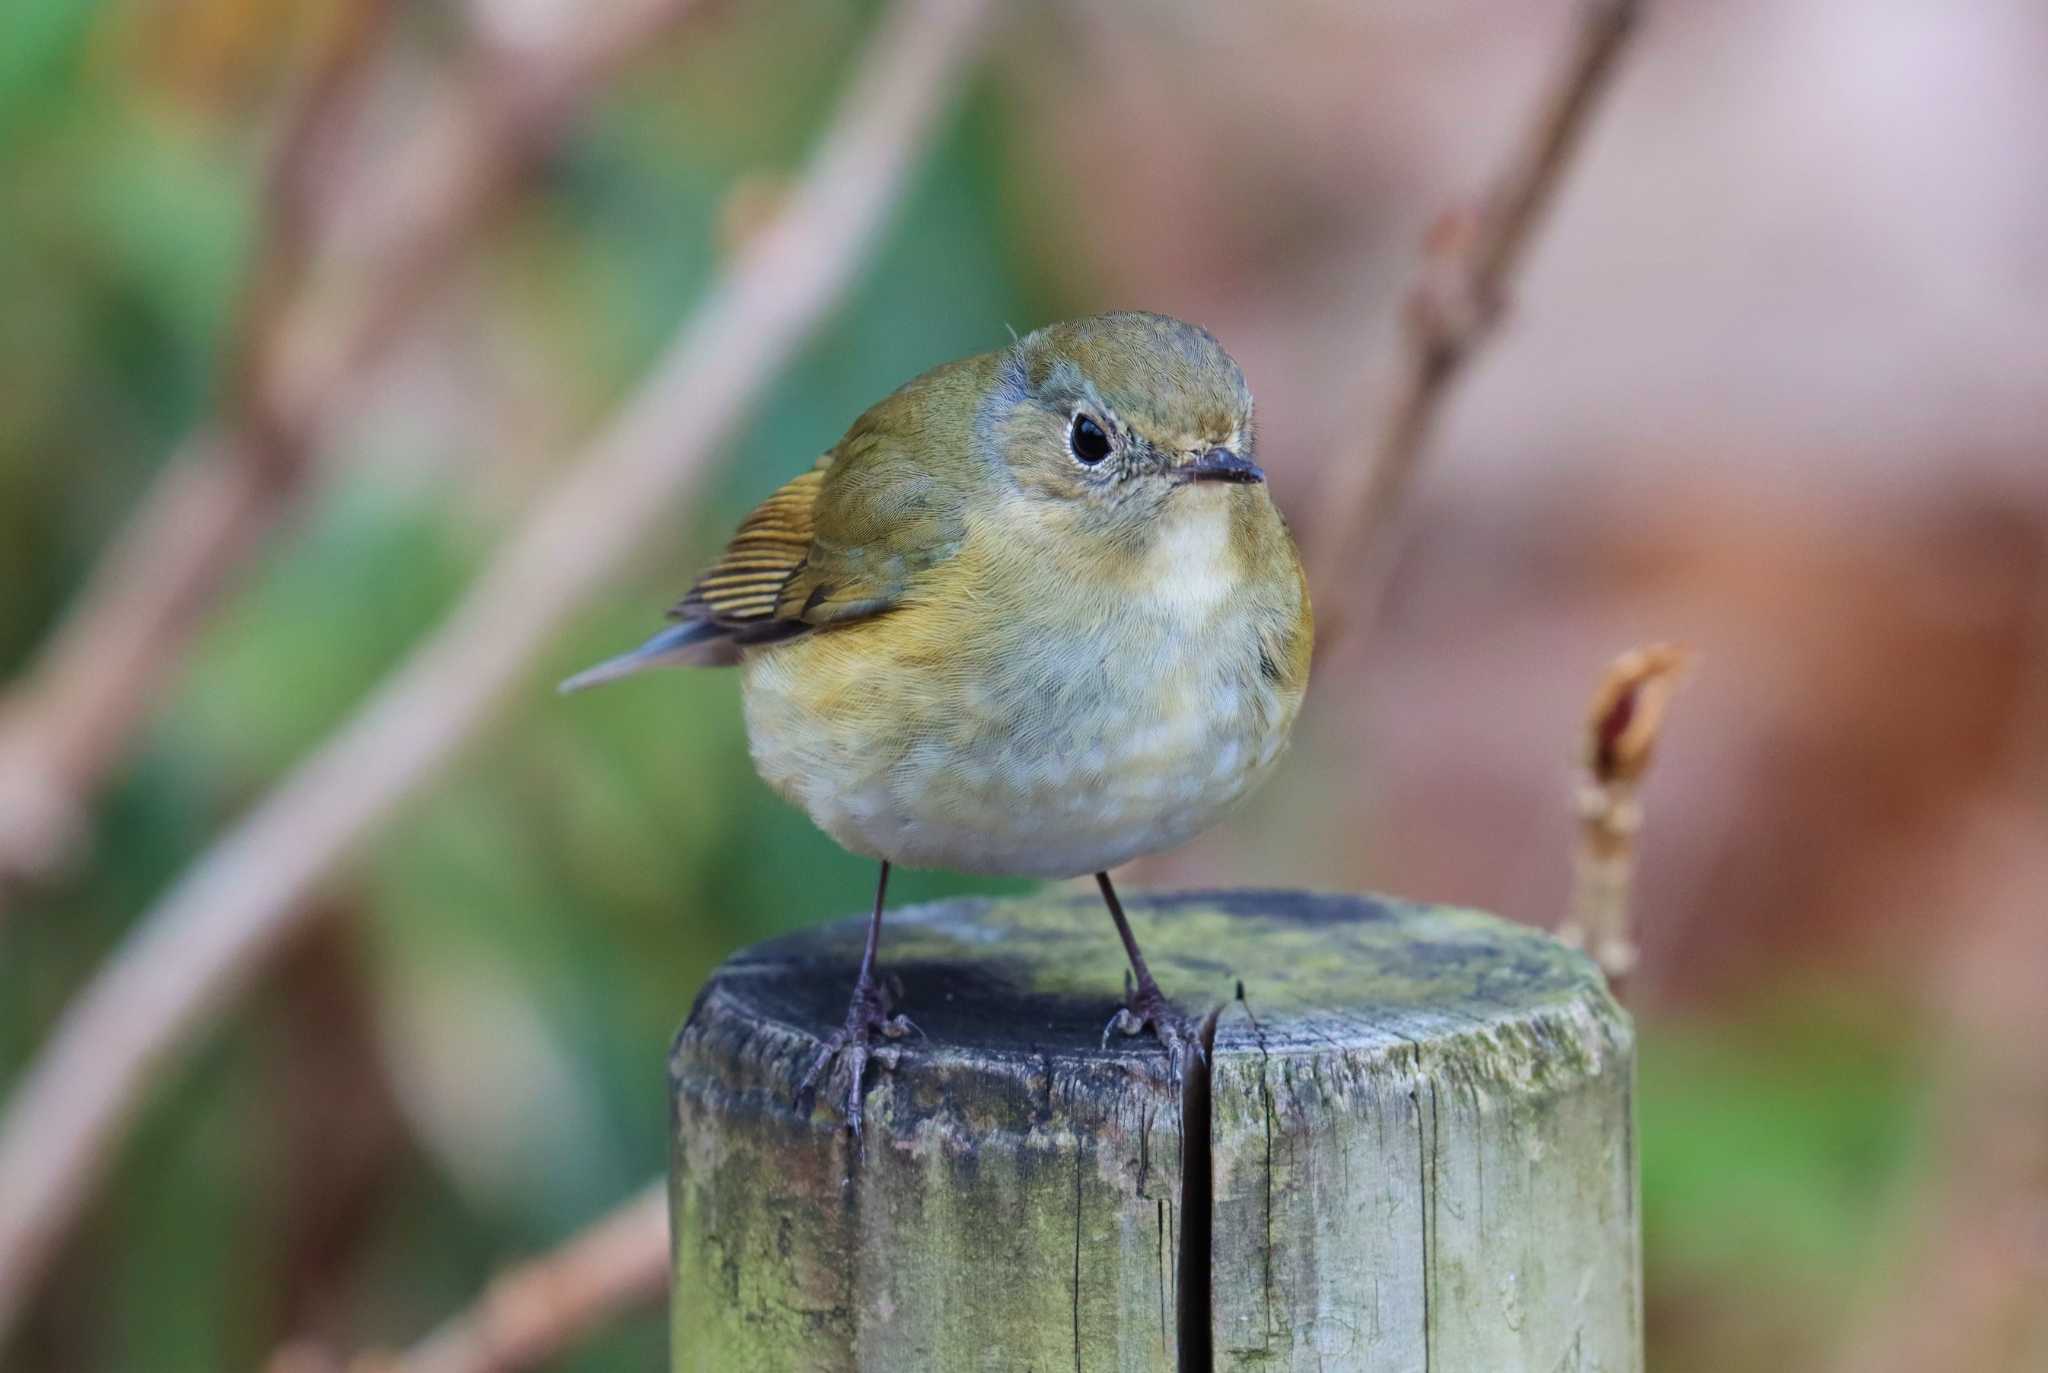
1034,615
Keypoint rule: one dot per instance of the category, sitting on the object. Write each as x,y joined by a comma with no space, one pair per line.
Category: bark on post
1412,1149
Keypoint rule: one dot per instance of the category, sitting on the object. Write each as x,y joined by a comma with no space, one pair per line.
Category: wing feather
741,590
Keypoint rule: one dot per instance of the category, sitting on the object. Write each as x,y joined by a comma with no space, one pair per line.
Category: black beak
1222,465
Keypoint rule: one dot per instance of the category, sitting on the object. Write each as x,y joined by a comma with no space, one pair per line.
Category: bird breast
1021,717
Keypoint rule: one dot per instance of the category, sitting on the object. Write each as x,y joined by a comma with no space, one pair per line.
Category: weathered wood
1419,1156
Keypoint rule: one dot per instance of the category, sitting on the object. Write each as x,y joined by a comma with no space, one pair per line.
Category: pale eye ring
1088,440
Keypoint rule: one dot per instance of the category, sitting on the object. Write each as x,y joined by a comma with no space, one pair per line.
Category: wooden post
1412,1150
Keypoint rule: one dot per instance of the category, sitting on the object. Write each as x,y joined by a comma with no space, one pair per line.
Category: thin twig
70,719
1622,728
290,225
226,916
532,1313
1452,306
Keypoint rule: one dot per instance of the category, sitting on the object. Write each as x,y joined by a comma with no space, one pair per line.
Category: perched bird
1035,615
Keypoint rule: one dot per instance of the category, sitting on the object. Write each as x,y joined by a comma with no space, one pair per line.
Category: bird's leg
1145,1006
867,1015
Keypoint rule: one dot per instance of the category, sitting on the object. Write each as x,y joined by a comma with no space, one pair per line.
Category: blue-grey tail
691,642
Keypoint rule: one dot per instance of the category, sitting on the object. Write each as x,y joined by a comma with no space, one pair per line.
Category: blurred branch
226,917
289,229
69,721
534,1312
1622,727
1452,306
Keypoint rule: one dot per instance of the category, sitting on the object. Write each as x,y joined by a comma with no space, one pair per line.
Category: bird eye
1089,443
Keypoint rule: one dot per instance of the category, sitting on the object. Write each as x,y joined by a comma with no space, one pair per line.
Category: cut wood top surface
1042,974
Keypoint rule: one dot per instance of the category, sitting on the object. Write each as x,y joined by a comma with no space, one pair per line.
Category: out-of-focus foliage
468,1062
1774,1149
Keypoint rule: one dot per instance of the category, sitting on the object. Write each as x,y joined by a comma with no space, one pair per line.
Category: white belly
1123,781
1116,781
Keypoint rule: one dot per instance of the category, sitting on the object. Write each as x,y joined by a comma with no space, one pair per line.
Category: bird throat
1193,567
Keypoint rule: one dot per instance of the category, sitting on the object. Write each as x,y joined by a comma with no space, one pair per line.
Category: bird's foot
1148,1009
867,1021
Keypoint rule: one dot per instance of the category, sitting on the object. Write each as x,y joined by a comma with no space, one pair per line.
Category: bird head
1123,419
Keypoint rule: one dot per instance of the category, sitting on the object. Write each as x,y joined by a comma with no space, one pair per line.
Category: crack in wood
1266,1092
1164,1327
1077,1259
1197,1203
1429,1217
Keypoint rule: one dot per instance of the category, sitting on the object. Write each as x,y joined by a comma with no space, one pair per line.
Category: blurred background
1773,383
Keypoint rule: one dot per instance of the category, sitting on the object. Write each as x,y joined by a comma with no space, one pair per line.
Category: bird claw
1178,1034
1122,1023
866,1018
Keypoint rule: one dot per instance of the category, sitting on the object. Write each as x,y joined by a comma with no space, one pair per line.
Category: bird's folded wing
743,589
841,542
